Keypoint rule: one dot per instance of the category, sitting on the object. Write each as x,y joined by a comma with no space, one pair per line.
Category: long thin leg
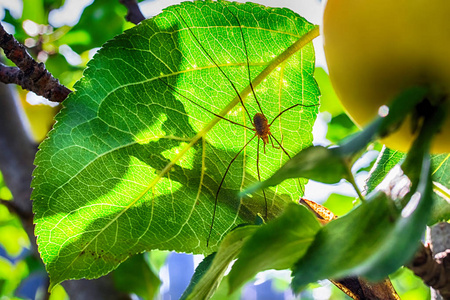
220,186
246,56
259,177
198,105
289,108
271,141
214,62
281,146
284,150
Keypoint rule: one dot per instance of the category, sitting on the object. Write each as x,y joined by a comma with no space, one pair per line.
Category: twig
29,74
435,272
14,209
134,15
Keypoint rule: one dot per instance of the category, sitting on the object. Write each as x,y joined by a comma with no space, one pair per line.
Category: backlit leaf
133,165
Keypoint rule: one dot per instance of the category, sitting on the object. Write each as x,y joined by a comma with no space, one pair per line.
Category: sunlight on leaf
135,161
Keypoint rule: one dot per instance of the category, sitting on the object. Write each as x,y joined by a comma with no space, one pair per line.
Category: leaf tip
251,189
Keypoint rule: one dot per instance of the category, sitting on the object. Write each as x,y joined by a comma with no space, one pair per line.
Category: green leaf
133,165
209,273
13,237
135,276
339,127
34,10
11,276
339,204
366,242
277,245
344,243
100,21
441,187
200,271
329,102
318,163
387,159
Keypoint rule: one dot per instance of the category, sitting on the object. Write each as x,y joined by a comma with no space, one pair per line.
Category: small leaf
207,277
387,159
402,104
339,127
345,243
441,186
135,276
318,163
277,245
200,271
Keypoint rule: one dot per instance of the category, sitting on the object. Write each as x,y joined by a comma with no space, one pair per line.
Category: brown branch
355,287
435,272
29,74
134,15
15,209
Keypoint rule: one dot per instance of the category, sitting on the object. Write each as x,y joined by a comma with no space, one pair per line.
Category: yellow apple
377,48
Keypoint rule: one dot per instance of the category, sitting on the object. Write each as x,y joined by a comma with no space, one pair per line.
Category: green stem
352,181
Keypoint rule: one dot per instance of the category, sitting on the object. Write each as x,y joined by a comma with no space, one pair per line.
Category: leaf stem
352,181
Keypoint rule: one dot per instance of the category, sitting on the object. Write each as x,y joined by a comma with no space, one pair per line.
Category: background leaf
388,158
210,272
100,14
277,245
102,189
135,276
372,249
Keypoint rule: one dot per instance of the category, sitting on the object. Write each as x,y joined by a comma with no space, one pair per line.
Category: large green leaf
133,165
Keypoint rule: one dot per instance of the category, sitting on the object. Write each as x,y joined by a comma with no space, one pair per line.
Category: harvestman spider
260,124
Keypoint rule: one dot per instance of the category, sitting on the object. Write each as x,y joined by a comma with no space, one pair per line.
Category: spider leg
220,186
259,176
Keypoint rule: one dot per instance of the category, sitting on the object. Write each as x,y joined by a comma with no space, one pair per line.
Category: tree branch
14,209
134,15
435,272
29,74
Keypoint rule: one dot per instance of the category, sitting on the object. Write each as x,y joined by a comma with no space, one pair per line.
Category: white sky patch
71,56
323,292
15,7
34,99
9,28
320,129
164,276
69,13
151,8
93,51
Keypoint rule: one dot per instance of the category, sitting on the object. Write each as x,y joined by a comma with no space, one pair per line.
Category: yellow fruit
377,48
